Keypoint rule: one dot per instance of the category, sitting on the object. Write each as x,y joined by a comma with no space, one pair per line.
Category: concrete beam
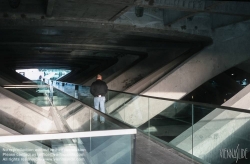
88,75
110,73
143,84
80,119
232,8
22,119
50,7
117,2
101,27
219,20
229,8
117,15
179,4
156,59
69,47
173,16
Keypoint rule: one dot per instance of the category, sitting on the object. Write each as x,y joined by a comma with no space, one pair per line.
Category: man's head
99,77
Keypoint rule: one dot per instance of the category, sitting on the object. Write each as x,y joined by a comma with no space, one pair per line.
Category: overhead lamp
14,3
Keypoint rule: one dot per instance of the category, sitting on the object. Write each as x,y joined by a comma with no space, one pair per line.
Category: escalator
185,126
196,129
98,141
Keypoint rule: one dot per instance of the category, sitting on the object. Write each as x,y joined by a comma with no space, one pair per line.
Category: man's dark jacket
98,87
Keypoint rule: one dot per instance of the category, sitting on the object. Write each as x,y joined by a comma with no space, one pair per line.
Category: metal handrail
116,121
179,101
71,135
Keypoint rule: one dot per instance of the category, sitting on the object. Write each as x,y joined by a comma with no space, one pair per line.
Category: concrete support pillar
143,84
156,59
23,116
123,63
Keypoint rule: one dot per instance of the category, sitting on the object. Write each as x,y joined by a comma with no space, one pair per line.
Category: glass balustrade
98,147
206,133
57,115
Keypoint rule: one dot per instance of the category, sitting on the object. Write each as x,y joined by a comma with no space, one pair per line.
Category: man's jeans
99,101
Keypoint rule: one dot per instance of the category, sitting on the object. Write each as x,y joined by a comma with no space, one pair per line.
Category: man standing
99,89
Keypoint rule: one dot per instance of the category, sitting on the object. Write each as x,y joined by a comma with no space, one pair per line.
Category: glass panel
80,117
112,149
23,117
208,133
84,95
129,108
221,136
116,100
66,114
61,99
43,96
33,95
167,119
87,150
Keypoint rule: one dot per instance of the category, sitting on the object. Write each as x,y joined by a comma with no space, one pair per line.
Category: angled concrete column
79,118
123,63
156,59
5,131
230,47
154,76
18,117
18,147
172,61
218,130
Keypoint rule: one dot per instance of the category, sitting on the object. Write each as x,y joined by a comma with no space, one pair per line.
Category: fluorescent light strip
36,137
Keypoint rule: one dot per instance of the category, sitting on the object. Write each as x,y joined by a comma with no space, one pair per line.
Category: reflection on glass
117,149
204,133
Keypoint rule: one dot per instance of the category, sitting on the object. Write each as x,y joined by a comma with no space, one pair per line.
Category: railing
67,126
213,134
98,147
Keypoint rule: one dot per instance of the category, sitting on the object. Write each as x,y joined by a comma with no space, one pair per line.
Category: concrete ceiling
78,34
